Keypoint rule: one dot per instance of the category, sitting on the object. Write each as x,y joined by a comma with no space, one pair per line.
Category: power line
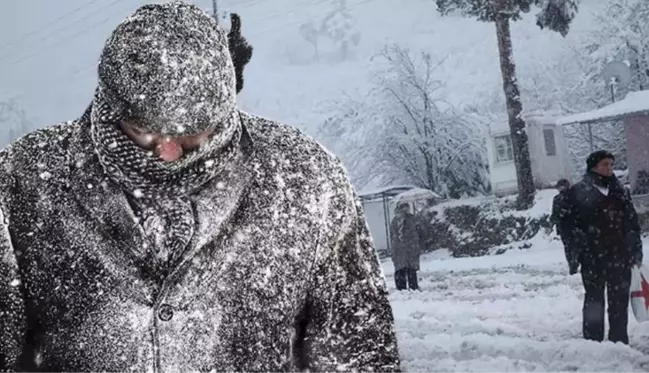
65,26
272,16
36,31
70,37
358,4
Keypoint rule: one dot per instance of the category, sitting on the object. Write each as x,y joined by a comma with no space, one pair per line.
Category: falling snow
184,267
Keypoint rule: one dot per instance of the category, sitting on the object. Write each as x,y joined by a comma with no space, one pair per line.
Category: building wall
636,129
547,170
501,175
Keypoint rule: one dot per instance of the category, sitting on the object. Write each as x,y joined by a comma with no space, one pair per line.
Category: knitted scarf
159,191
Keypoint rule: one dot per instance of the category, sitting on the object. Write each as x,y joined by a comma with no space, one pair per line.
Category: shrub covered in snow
487,225
491,225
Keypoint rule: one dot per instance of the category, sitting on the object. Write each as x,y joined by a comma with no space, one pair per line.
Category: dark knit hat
594,158
563,183
167,67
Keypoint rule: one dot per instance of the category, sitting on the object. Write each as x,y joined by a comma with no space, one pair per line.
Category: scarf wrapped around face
158,191
166,67
141,173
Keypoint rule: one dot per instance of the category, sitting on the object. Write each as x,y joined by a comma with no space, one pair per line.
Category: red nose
169,151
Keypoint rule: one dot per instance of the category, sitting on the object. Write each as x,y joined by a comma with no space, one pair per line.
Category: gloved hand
573,268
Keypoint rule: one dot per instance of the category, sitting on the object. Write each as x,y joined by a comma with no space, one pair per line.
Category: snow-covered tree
403,132
574,83
557,15
340,26
623,34
501,13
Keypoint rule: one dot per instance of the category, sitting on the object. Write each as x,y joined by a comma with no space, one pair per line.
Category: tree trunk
524,176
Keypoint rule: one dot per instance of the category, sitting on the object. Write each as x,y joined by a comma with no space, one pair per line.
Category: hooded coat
406,239
265,262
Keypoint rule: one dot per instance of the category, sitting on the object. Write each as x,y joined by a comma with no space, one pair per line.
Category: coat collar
106,205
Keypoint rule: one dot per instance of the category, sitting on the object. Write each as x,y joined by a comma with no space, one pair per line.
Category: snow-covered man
406,243
605,240
165,230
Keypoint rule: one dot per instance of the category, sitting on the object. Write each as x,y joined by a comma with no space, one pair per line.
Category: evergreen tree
555,15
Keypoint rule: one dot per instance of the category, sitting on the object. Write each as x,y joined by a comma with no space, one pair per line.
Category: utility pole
215,9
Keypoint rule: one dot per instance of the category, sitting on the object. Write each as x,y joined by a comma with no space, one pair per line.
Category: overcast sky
49,49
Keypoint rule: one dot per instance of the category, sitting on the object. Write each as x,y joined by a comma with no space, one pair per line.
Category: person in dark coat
166,230
406,242
558,209
604,240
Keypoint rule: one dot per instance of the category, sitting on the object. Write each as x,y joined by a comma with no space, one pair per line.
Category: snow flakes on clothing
248,294
168,68
249,254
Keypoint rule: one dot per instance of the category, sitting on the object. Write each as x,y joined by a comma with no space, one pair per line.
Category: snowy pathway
520,311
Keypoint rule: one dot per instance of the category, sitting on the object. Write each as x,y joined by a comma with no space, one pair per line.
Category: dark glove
573,268
240,50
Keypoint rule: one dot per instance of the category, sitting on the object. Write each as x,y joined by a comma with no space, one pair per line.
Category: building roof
531,118
633,104
416,194
388,191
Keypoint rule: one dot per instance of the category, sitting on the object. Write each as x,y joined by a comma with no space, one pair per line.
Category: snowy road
520,311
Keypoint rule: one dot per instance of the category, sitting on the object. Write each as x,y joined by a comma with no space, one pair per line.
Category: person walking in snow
558,209
166,230
406,242
604,240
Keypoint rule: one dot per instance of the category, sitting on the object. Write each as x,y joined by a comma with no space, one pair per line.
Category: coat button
165,312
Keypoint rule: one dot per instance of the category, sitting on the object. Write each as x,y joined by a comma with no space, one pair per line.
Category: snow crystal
209,163
45,175
14,282
137,193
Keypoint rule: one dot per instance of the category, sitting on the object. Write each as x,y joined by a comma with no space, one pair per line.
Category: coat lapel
103,202
215,206
106,207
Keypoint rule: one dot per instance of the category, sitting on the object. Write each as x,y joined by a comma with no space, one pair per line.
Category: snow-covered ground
520,311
